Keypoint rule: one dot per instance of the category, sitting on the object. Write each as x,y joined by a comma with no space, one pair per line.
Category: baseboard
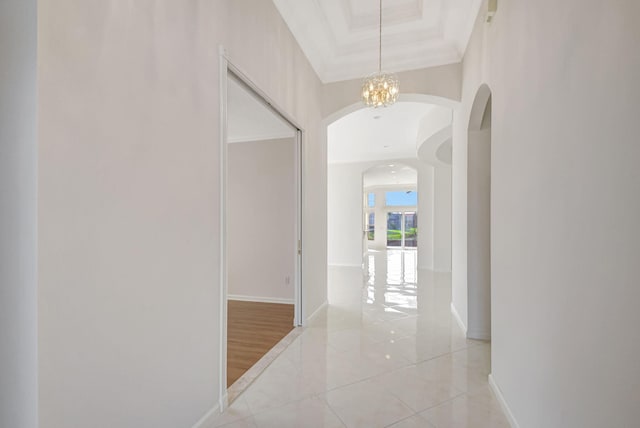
456,316
315,313
345,265
242,298
503,403
208,418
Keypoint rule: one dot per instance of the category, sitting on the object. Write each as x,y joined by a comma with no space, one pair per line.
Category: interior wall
479,234
18,218
129,225
564,232
426,215
442,82
442,219
344,208
261,220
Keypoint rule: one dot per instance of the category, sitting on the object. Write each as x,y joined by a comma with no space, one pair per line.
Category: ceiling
340,37
249,118
378,134
392,173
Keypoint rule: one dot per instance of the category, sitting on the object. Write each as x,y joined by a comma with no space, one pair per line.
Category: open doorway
390,209
479,217
261,228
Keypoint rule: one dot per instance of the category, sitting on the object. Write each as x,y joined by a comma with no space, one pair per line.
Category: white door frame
226,66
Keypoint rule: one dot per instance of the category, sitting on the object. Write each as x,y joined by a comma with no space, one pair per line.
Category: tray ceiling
340,37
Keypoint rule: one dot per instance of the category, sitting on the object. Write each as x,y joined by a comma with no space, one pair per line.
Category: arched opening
365,138
479,217
390,202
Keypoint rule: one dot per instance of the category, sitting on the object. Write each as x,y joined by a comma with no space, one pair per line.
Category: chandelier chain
380,89
380,41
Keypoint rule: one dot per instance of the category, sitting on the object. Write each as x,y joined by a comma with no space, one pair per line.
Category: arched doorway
479,217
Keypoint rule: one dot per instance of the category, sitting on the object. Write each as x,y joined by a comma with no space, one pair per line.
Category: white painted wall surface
440,83
344,218
426,215
18,215
442,220
129,143
261,220
478,234
565,208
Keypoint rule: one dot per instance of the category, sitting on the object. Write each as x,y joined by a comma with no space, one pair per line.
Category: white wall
426,215
565,207
442,220
478,234
18,205
442,84
344,213
261,220
129,143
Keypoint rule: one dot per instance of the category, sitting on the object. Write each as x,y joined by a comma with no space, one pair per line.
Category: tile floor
385,353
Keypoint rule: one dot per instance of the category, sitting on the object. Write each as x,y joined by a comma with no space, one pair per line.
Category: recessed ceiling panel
340,37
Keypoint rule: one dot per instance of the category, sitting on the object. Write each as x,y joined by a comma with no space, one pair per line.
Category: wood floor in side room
253,328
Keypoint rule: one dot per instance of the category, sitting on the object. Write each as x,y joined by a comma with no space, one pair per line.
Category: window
371,200
407,198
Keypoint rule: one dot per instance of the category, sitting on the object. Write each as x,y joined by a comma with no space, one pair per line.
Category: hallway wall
18,215
129,200
564,229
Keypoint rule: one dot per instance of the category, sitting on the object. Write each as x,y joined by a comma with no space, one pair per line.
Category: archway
364,138
479,217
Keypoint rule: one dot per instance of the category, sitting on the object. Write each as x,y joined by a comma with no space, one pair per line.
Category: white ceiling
340,37
377,134
391,173
249,118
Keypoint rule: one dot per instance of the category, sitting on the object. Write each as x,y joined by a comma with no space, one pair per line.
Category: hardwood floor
252,330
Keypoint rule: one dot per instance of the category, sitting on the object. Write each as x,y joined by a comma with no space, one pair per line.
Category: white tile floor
385,353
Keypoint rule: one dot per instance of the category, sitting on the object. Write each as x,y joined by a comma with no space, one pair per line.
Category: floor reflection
386,352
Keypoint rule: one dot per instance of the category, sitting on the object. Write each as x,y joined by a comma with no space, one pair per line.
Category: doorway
402,229
261,292
390,207
479,217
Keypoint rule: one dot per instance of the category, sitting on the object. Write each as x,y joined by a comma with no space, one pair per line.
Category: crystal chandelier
380,89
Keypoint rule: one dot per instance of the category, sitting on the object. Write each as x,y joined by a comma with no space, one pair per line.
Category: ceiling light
380,89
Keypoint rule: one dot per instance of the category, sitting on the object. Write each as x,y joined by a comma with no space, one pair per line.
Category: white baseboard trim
503,403
315,313
456,316
345,265
242,298
209,417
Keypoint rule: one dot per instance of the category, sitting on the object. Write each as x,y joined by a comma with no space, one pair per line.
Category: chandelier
380,89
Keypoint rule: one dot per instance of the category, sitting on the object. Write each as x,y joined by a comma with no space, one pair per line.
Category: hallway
385,353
